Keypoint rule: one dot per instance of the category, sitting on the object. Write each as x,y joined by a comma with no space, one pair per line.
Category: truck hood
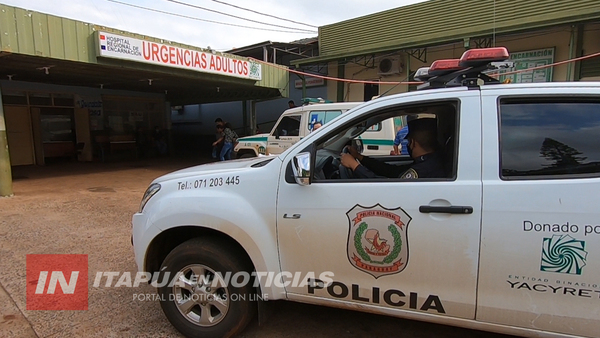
215,168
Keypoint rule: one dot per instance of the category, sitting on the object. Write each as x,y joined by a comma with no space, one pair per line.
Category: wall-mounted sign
530,59
127,48
94,106
310,82
136,116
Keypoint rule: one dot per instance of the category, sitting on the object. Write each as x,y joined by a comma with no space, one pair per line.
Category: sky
116,14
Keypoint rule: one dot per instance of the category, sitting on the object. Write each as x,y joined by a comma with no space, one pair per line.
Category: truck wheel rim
201,295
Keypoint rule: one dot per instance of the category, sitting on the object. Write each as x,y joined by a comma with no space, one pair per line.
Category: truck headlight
151,191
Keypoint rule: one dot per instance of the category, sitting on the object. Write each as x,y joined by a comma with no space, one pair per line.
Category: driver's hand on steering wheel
348,161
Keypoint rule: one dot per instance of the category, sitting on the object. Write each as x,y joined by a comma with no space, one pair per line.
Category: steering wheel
345,173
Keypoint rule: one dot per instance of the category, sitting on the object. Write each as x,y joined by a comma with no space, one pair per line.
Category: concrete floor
86,208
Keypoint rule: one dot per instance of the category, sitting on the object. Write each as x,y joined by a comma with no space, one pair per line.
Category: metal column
253,120
248,128
5,171
340,84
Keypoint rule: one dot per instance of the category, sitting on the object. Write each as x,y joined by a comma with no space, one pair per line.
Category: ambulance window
322,116
289,126
546,138
374,128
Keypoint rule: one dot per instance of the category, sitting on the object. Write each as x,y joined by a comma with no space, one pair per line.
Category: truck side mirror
302,168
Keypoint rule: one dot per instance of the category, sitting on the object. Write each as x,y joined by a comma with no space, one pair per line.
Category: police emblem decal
410,174
377,239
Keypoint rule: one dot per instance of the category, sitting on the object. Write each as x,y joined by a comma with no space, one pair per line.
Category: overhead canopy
38,47
265,50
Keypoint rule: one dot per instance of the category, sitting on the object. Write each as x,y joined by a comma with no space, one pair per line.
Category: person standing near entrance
291,104
160,141
216,149
229,138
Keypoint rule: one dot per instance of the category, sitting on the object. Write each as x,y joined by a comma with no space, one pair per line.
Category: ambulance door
286,133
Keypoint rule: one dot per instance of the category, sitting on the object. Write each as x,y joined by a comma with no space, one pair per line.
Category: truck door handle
453,209
294,216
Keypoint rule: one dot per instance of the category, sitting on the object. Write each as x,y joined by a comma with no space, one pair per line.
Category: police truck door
389,243
540,230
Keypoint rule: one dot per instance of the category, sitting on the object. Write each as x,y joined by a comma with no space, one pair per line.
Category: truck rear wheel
200,301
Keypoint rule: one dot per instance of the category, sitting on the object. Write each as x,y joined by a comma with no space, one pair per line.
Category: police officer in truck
422,147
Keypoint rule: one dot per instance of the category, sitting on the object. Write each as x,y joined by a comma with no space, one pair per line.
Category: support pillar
571,54
253,120
5,170
303,86
340,85
248,127
408,77
168,125
578,52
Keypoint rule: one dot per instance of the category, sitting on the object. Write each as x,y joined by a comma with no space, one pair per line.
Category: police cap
428,125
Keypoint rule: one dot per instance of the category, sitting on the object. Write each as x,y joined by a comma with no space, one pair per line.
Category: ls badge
377,239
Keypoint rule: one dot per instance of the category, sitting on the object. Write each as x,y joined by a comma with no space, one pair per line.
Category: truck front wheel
205,297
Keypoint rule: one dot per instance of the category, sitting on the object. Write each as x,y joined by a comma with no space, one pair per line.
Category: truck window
549,138
439,143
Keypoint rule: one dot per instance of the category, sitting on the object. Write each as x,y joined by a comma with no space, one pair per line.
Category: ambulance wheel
197,300
246,155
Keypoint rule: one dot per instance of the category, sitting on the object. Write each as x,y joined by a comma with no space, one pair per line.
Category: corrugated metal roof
442,21
69,43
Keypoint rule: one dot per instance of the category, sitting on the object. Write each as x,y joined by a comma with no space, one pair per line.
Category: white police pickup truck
508,241
295,123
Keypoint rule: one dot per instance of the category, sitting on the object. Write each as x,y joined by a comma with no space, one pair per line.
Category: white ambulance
295,123
506,240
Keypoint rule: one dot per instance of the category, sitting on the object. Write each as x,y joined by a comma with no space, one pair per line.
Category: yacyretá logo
255,70
377,239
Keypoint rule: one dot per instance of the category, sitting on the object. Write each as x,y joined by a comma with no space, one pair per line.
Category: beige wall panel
591,38
591,45
354,92
392,89
19,134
